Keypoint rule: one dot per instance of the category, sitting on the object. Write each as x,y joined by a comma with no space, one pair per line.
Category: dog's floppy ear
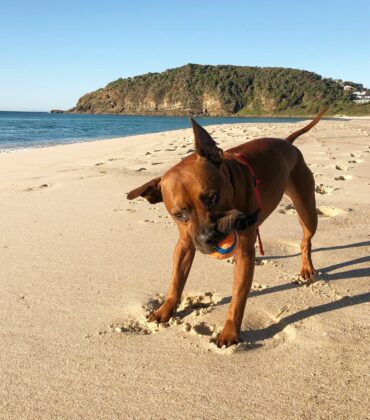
205,145
226,223
150,190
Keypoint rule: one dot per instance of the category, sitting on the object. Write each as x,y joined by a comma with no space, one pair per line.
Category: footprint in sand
340,167
198,304
259,330
257,287
40,187
138,326
289,209
258,261
201,328
324,288
343,178
324,189
329,211
267,329
141,325
261,261
191,307
130,210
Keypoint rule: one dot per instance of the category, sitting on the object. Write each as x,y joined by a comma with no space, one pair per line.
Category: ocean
23,130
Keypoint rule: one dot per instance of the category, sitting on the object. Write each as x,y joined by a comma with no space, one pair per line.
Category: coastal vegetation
223,90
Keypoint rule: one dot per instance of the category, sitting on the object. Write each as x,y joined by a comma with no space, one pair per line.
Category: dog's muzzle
207,239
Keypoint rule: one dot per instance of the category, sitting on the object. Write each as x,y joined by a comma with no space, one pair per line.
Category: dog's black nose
209,236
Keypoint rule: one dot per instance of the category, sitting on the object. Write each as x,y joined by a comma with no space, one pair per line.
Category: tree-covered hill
221,91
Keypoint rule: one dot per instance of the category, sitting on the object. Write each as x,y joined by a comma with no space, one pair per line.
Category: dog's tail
308,127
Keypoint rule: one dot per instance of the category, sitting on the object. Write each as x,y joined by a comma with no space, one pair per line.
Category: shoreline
349,117
44,145
121,137
254,116
86,128
262,116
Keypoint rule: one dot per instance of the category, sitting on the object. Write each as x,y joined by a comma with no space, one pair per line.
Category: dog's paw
163,314
228,336
308,273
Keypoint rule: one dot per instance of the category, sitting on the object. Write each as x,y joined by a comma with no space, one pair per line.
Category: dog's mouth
207,241
205,249
211,247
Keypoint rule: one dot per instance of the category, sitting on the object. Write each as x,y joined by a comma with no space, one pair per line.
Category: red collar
244,161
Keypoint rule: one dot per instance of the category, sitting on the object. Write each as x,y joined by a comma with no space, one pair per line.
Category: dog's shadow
324,248
266,333
258,335
325,274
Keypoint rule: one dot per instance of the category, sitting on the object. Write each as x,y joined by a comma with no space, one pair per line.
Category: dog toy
226,248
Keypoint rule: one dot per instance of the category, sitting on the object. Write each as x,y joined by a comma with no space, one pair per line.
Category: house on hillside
361,97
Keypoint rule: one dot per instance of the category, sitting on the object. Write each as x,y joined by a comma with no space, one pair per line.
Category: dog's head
197,193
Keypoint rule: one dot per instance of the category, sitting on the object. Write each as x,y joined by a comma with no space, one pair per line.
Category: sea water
23,130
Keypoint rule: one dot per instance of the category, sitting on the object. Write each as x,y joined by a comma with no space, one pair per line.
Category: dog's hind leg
301,190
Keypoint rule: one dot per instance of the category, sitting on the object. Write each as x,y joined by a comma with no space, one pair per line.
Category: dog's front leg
243,277
182,261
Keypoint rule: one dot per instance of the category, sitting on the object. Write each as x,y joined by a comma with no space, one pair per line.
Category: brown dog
209,193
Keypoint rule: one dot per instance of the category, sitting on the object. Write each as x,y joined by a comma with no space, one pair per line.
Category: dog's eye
212,199
181,216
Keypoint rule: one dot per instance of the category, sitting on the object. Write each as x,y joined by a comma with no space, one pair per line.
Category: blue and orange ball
227,247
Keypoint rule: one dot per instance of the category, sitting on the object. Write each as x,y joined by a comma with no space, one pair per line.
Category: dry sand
80,265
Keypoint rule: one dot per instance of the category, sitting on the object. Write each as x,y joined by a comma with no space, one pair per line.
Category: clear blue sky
52,52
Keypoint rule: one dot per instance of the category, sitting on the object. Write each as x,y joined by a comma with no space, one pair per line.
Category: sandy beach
81,265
